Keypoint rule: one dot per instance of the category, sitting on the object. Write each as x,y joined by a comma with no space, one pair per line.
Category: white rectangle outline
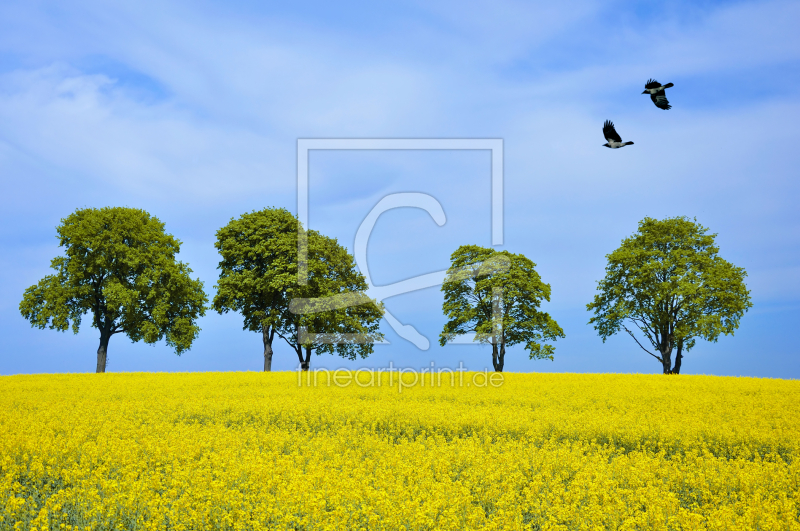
304,145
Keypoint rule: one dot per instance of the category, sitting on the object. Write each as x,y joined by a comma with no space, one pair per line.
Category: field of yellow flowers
257,451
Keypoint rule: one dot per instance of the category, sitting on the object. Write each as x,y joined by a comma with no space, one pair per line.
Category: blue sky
192,111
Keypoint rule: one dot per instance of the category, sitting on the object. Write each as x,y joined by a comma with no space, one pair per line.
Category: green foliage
334,304
497,295
120,266
258,266
259,278
668,280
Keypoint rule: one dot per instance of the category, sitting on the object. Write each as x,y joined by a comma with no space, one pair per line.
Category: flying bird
613,139
656,91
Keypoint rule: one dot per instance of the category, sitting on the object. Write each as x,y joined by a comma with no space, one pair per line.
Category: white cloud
88,124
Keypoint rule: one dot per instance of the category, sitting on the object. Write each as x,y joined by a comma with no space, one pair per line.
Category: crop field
271,451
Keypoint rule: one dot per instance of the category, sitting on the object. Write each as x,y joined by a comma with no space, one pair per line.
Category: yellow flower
245,451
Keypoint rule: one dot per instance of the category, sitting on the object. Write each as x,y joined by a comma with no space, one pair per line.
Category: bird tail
668,85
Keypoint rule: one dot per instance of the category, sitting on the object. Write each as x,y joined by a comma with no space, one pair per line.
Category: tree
258,266
668,280
120,266
497,294
331,313
259,278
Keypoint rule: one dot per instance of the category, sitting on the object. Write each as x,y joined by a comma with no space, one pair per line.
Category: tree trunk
498,357
678,357
102,351
501,359
666,354
267,337
307,361
666,360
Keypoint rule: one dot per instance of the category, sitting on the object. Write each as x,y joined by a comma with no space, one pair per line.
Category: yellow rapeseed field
259,451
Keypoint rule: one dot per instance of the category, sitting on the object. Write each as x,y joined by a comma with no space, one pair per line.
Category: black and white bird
656,91
613,139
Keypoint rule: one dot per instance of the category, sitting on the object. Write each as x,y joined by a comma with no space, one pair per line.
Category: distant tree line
667,282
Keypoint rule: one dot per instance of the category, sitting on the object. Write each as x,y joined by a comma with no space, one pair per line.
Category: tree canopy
259,278
258,266
119,266
331,312
668,280
497,295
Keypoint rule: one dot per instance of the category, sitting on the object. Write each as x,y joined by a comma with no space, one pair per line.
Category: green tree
331,313
258,266
259,279
668,280
120,266
496,295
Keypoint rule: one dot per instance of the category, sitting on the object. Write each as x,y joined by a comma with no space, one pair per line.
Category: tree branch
289,341
646,330
637,342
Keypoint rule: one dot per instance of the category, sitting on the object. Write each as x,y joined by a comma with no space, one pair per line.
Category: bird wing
660,99
652,83
610,133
